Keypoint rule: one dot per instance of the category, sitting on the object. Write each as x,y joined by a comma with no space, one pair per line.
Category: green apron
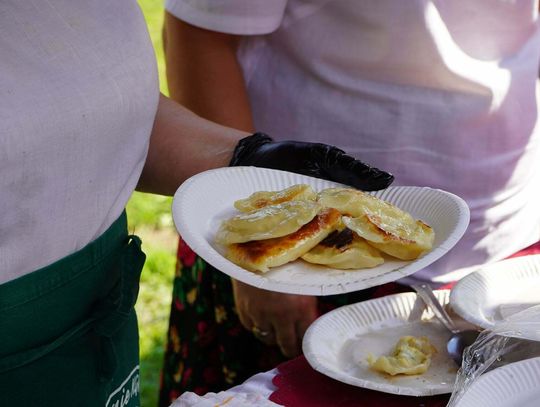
68,332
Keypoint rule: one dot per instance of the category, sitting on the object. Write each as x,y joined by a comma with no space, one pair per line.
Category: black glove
313,159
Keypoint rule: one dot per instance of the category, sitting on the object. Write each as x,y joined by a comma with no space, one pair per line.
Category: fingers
262,331
302,326
250,313
275,318
334,164
283,334
370,178
286,336
349,171
265,335
288,341
244,318
289,336
314,159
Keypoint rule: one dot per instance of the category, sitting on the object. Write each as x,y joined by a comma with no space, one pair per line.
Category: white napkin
223,398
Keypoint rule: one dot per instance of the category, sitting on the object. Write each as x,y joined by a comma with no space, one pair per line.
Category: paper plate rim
500,383
463,293
207,252
317,364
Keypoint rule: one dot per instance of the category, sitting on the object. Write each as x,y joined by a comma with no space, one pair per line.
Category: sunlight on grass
153,312
147,210
153,13
149,216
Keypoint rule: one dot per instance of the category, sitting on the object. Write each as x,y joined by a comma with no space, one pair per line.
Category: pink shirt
442,93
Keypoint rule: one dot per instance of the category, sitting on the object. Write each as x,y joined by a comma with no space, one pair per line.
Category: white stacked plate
339,343
494,292
512,385
205,200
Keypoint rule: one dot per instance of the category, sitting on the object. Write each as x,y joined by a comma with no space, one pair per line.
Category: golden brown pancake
268,222
260,255
383,225
354,203
403,237
344,250
261,199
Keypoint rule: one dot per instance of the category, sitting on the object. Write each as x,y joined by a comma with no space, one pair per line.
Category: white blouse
78,96
442,93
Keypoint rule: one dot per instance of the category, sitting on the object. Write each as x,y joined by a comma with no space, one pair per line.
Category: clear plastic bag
514,339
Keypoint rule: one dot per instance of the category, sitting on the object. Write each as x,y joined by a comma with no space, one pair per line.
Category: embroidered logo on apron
128,390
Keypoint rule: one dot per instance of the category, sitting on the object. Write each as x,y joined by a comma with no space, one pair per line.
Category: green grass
153,13
150,211
150,217
153,311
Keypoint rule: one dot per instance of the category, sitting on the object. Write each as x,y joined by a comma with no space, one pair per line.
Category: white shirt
442,93
78,96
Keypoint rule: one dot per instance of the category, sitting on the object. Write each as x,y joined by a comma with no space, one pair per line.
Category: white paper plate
203,201
338,344
489,295
512,385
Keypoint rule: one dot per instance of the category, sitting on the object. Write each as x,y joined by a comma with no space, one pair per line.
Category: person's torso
440,93
78,95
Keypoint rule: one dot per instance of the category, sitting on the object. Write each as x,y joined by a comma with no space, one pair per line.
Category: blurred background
150,218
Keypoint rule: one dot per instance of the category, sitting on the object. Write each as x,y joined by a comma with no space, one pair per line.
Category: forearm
204,75
183,144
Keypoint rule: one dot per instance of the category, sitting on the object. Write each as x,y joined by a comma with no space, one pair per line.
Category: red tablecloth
298,385
533,249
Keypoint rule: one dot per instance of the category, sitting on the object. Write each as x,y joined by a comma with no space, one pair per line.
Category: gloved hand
313,159
277,318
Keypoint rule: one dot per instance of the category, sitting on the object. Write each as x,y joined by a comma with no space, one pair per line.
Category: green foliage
148,210
153,13
153,305
153,312
149,216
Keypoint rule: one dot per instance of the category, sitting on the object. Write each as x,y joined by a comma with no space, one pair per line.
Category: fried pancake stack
339,227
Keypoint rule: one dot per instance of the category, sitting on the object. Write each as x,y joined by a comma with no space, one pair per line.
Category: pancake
404,237
269,222
355,203
262,254
261,199
344,250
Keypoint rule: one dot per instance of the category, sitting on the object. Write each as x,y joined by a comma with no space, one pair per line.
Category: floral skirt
207,348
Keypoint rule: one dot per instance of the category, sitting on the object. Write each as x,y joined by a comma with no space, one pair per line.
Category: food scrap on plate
411,356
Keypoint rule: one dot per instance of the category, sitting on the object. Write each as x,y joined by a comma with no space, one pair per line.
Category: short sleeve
242,17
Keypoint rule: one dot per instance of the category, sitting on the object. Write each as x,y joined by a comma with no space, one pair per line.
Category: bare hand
278,318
